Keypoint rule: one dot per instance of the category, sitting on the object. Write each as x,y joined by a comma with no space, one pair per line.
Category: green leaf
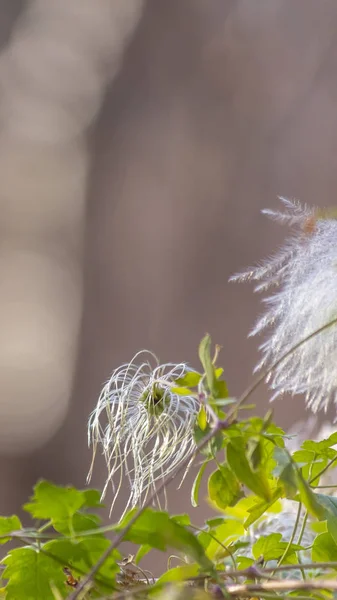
80,522
196,485
92,499
332,527
190,380
61,506
215,443
286,472
324,548
183,519
179,574
215,522
221,390
54,502
83,555
30,575
243,562
309,463
8,525
254,452
223,487
181,391
206,361
221,538
256,481
202,418
271,547
322,446
329,503
293,479
158,530
256,511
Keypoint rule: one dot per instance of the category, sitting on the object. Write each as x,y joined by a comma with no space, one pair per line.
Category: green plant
273,521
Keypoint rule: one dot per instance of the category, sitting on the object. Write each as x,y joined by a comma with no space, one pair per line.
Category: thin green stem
292,537
226,548
330,463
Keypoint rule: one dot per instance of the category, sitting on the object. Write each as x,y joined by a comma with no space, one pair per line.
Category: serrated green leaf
271,547
309,463
179,574
196,485
223,488
84,554
206,361
221,538
92,499
80,522
324,548
8,525
238,462
61,506
53,502
30,575
259,509
183,519
159,530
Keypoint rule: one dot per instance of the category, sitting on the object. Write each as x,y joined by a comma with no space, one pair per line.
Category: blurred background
139,141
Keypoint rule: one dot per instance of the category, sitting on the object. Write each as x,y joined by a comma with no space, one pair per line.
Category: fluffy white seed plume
303,275
145,428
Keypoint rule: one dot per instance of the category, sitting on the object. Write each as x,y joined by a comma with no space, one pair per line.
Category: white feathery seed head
303,279
143,426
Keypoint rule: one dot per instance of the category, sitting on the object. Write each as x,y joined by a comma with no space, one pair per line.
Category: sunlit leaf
202,418
190,380
324,548
8,525
272,547
206,361
223,487
30,575
159,530
261,507
196,485
222,537
179,573
257,481
54,502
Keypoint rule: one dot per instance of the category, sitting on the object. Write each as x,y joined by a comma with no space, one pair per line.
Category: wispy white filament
303,275
145,428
